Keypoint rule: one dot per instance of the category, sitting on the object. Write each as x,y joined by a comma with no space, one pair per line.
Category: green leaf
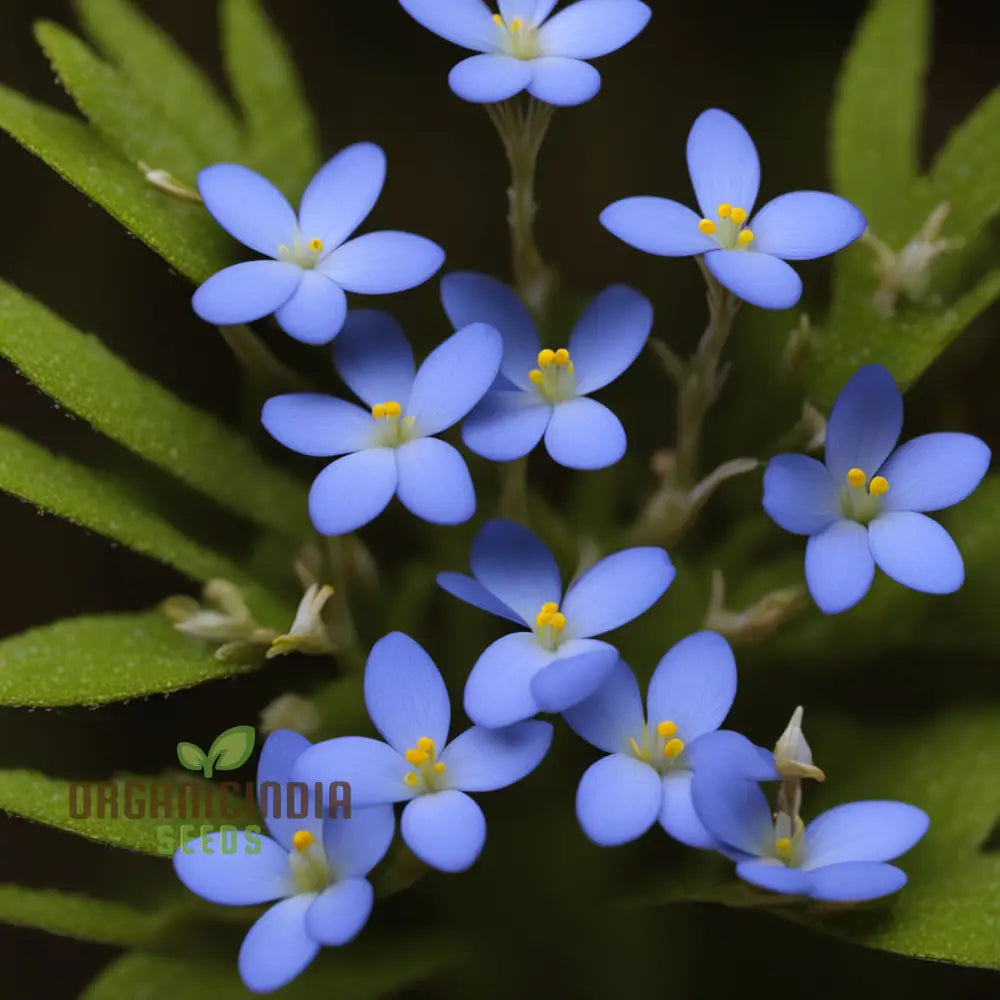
164,75
181,232
96,659
116,108
232,748
86,378
191,756
283,143
79,495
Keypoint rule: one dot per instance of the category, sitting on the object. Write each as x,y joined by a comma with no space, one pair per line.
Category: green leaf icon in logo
228,751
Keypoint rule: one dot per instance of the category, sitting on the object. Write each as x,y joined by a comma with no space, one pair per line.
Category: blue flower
653,757
389,449
408,702
557,663
840,856
745,254
547,392
311,264
315,866
865,507
521,50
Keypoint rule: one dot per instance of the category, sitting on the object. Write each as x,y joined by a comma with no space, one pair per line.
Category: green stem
514,490
344,630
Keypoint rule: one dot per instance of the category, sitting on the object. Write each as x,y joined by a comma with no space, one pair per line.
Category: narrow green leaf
283,143
116,108
191,757
79,495
181,232
164,75
97,659
80,373
232,748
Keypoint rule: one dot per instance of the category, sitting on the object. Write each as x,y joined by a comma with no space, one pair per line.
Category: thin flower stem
514,490
343,629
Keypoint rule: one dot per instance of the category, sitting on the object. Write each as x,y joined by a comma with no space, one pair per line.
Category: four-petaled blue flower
316,866
557,663
745,254
389,449
653,757
408,702
311,265
840,856
521,50
865,506
546,392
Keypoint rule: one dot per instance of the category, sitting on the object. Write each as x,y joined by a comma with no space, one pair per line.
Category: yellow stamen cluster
316,244
731,233
422,756
548,358
389,409
302,840
516,25
551,616
876,487
672,747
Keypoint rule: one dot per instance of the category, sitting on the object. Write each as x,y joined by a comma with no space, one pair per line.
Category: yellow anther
673,748
439,768
497,19
417,757
535,375
543,618
426,744
783,847
738,215
545,358
378,411
666,729
558,621
856,477
707,226
745,237
387,409
562,357
550,607
316,244
725,210
517,24
411,779
878,486
303,840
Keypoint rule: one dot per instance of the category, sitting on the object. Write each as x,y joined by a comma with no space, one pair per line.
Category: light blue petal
839,566
313,424
806,224
733,752
340,912
375,771
617,589
342,194
478,298
855,882
693,685
658,226
532,12
506,425
245,292
617,800
916,552
934,471
383,262
515,566
483,760
498,691
799,495
862,831
405,693
489,78
757,278
248,206
277,758
352,491
315,313
563,82
677,815
864,424
373,356
723,163
446,830
454,377
278,947
465,22
609,336
434,482
567,680
775,877
733,810
612,715
584,434
354,845
591,28
465,588
239,879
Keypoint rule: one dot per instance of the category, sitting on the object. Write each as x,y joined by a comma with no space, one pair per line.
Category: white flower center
861,500
554,378
516,38
391,428
660,748
728,230
305,253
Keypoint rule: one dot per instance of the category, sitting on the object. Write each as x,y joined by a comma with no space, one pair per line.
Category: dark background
373,74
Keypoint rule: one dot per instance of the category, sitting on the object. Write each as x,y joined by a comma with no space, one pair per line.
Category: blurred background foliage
900,693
